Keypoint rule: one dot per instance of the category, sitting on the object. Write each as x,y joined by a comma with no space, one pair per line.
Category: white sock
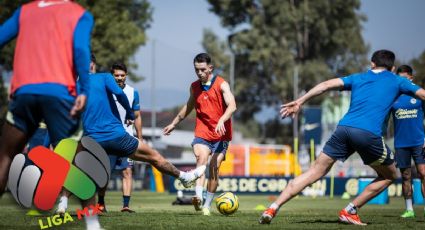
351,208
63,203
208,200
198,190
92,222
274,206
409,204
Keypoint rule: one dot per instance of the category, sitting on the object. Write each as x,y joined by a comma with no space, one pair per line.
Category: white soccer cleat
189,178
206,212
60,211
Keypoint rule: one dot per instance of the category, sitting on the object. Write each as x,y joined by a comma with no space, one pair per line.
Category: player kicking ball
214,104
101,122
360,130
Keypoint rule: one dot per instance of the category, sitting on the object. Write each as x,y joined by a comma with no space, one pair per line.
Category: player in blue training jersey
124,164
101,121
360,130
408,116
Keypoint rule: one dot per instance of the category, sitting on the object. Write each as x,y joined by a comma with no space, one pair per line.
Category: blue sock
101,200
125,200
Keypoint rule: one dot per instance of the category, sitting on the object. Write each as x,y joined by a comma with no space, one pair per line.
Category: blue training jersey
408,116
372,96
101,120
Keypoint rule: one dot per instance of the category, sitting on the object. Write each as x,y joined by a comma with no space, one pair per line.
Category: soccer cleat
408,214
348,218
188,179
206,212
102,208
267,216
197,203
60,211
127,209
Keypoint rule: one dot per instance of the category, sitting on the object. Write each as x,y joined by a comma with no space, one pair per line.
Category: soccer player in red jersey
214,104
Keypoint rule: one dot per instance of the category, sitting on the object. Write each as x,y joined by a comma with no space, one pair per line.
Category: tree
318,36
418,65
119,30
270,38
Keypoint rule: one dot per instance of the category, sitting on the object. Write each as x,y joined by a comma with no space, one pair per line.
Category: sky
178,26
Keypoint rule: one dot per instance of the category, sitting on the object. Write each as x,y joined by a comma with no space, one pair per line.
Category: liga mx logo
78,167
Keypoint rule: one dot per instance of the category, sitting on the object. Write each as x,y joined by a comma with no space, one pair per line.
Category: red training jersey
209,107
44,46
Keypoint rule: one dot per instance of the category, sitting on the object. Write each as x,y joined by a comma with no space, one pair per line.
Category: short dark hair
405,69
118,66
202,57
93,58
384,58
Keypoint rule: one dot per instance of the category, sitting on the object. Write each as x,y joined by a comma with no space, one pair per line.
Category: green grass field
154,211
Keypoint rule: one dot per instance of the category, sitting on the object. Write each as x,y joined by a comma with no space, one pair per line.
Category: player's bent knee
126,174
392,177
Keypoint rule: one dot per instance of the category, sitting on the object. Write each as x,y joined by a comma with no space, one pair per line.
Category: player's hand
80,103
290,109
220,129
168,129
129,122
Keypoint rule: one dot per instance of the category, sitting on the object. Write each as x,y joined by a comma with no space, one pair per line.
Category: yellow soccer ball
227,203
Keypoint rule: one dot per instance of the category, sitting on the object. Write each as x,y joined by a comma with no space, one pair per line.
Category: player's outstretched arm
10,28
292,108
420,93
229,99
184,111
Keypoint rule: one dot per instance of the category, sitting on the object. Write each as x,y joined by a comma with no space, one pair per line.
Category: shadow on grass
318,221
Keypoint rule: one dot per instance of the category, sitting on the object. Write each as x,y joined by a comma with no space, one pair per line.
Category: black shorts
403,156
122,146
26,111
347,140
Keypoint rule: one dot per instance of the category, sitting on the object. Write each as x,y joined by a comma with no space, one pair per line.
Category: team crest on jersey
413,101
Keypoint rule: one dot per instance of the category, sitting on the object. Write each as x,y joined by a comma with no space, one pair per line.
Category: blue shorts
26,111
214,146
122,146
40,137
347,140
403,156
120,163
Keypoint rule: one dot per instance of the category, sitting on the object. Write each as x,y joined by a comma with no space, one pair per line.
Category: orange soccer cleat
348,218
267,216
102,208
